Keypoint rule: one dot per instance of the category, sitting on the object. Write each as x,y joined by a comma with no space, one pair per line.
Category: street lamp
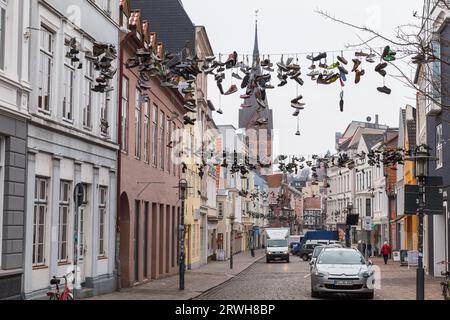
232,218
182,194
420,170
347,227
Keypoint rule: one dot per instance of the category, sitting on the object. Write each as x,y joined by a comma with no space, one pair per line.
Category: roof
169,19
372,139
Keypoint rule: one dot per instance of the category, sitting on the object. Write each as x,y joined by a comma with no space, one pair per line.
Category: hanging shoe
190,107
261,103
282,67
358,75
386,51
219,85
188,121
299,81
370,58
384,89
245,81
244,96
342,60
356,65
295,100
244,106
296,112
232,90
298,105
319,57
297,133
236,76
313,73
333,66
361,54
262,121
342,70
282,83
219,111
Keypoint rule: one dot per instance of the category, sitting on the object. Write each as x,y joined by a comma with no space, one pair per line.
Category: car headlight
367,274
286,252
269,252
321,273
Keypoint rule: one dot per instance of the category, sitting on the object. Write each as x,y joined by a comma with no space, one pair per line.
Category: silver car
342,270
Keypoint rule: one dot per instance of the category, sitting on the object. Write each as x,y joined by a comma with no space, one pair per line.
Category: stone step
84,293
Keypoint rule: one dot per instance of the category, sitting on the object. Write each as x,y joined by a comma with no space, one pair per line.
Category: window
220,209
104,113
162,123
155,134
137,126
124,120
168,140
45,70
2,177
102,239
146,132
69,75
87,105
64,212
2,33
40,212
439,146
105,5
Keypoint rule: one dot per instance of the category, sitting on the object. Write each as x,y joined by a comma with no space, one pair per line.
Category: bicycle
445,285
66,294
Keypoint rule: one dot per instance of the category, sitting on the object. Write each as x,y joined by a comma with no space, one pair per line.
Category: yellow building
409,221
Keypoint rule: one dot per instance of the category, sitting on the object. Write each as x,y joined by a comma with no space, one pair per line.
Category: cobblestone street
283,281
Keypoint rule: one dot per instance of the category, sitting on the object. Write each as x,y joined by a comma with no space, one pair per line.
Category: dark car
306,250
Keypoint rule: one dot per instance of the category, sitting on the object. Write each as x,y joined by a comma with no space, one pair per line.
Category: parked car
306,249
342,270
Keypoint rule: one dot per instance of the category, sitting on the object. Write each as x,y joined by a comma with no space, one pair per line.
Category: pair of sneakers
388,54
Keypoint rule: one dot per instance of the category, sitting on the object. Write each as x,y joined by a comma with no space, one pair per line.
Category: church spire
256,47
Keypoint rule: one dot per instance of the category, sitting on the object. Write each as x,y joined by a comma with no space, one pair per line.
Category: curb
227,281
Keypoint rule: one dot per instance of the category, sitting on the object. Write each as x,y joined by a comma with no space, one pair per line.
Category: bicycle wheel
70,296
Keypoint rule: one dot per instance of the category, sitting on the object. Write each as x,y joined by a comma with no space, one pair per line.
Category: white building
69,143
14,98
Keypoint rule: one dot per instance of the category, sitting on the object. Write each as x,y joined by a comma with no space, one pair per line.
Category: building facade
15,89
149,201
72,139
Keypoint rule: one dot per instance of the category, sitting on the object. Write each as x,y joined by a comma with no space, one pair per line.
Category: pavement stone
197,281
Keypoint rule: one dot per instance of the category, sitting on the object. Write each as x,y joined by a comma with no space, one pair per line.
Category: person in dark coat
369,250
364,249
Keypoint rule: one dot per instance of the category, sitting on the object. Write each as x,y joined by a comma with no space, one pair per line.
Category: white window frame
88,96
64,212
137,126
69,81
2,182
146,132
162,130
40,202
45,54
155,135
3,5
439,147
102,221
124,120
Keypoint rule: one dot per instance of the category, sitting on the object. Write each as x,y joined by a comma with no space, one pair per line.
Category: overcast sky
291,26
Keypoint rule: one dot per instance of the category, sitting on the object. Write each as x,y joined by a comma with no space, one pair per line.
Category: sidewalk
196,281
399,283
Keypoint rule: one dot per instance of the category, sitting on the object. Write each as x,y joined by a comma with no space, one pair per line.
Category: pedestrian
369,250
364,249
385,250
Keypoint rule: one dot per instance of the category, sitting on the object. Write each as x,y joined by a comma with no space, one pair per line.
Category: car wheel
305,257
369,296
314,294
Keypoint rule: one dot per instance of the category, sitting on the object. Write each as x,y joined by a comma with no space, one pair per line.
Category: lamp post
232,218
182,193
420,169
347,227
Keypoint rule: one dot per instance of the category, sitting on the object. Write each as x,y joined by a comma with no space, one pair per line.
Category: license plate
343,282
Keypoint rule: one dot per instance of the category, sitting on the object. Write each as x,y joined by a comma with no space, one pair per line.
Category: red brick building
148,202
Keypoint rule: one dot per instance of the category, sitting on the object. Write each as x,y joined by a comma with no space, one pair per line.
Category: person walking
385,250
369,250
364,249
